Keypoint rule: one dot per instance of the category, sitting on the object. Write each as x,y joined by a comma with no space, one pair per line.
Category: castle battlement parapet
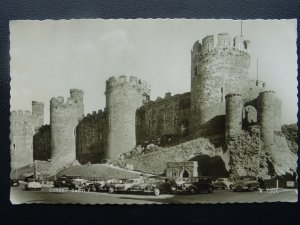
224,42
124,81
20,113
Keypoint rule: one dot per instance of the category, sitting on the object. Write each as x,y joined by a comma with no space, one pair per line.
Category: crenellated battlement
224,42
232,95
121,81
20,113
76,97
168,97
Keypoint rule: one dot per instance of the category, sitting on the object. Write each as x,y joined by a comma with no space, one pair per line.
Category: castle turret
266,116
21,138
217,70
234,110
64,117
123,98
38,114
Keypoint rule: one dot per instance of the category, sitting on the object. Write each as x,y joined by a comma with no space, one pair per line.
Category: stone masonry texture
224,110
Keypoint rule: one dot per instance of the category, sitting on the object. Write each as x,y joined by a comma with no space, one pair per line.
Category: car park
33,185
247,183
223,183
196,185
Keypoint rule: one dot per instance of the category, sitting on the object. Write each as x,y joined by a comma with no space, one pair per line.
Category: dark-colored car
196,185
14,183
110,186
64,181
94,187
247,183
155,185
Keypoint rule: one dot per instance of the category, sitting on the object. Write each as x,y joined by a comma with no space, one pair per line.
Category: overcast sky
50,57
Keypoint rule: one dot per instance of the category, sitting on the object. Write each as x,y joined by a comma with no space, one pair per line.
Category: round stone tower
216,70
266,116
38,114
234,110
123,98
64,117
21,138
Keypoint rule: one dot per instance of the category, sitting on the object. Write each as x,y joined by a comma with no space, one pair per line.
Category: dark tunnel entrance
213,167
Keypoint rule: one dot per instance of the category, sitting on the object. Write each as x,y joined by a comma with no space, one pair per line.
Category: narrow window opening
222,94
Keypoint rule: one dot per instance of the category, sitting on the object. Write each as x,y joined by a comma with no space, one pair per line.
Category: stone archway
210,166
185,174
249,116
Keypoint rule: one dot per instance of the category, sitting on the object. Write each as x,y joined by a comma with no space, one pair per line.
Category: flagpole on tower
241,27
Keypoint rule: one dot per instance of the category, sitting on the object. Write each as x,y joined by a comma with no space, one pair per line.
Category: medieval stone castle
223,102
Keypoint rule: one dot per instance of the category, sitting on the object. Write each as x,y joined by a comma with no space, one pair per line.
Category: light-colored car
33,185
124,185
223,183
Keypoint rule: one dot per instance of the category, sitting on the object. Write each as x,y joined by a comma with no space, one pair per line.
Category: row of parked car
158,185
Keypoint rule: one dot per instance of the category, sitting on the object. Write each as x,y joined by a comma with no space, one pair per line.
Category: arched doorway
210,166
249,116
185,174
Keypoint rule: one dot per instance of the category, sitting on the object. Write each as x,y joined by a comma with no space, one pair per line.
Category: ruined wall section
245,155
216,70
91,138
21,138
165,117
64,117
42,143
123,97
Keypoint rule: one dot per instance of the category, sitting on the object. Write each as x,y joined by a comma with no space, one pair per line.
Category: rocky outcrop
153,159
244,151
291,133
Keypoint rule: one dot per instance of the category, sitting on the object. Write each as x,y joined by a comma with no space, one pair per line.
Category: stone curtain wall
42,143
91,138
169,116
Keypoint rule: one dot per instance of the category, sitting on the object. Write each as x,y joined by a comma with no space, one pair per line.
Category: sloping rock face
284,160
153,159
291,133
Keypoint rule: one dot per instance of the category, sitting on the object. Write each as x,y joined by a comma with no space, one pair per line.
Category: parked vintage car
64,181
196,185
155,185
123,185
14,183
33,185
247,183
223,183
